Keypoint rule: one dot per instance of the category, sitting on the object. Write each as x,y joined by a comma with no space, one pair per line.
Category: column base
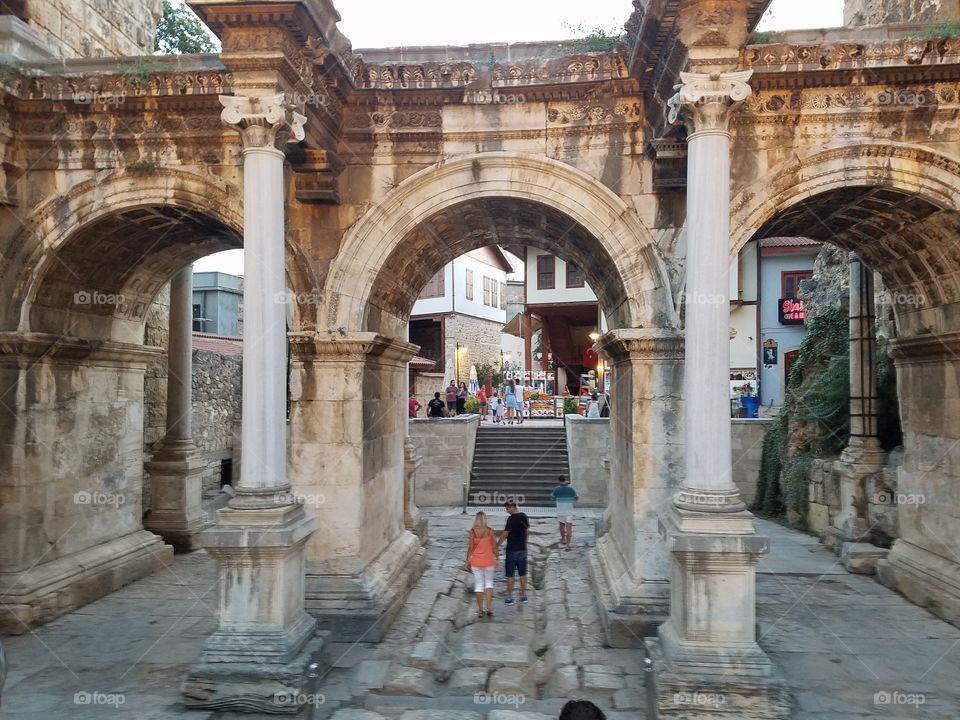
258,686
362,605
176,479
630,610
51,589
689,695
931,581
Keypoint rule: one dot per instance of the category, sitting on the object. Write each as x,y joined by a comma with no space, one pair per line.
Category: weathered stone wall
746,438
446,446
96,28
588,444
216,399
216,404
480,338
878,12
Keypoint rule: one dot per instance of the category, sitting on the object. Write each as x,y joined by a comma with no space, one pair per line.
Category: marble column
709,643
863,456
176,470
265,640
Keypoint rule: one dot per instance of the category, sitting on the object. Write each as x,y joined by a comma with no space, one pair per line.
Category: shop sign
792,311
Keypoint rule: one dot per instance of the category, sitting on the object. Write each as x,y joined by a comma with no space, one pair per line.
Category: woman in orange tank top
482,561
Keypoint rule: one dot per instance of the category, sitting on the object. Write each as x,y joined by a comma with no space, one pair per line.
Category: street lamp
594,336
456,359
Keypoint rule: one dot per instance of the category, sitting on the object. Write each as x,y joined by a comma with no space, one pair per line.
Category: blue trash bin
751,405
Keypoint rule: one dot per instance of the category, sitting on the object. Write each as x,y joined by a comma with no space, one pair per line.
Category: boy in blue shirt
565,496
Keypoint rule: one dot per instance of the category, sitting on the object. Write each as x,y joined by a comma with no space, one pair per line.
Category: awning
516,326
421,363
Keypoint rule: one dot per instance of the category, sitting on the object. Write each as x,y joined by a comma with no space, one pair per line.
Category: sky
379,23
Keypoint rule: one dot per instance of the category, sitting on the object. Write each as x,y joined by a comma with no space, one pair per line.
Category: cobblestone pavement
849,647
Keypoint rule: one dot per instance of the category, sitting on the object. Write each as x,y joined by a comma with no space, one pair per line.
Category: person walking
593,408
511,401
451,394
501,407
515,533
581,710
462,395
435,408
482,399
565,496
482,552
494,403
413,406
521,392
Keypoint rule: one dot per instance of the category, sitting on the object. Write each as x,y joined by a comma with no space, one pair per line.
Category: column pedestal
176,477
259,657
412,519
706,657
858,462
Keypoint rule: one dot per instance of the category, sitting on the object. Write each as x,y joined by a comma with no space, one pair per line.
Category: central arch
373,249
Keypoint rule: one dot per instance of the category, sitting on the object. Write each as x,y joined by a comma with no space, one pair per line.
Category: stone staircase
520,461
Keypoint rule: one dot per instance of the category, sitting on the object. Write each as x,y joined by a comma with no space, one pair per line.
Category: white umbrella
474,385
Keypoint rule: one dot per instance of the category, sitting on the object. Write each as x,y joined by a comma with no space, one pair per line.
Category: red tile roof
789,242
217,343
421,363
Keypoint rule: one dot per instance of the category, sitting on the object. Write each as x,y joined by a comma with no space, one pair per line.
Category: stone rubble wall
216,400
96,28
878,12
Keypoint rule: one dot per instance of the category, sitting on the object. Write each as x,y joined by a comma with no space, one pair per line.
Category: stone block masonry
95,28
877,12
446,446
479,340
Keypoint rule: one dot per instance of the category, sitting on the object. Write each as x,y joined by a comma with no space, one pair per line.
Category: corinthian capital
709,98
262,121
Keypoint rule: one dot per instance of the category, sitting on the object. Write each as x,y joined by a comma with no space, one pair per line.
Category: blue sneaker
508,601
524,599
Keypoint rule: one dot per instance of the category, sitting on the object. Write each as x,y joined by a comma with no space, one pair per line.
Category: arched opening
895,208
353,377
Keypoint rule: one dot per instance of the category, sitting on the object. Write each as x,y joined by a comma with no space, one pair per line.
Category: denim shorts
516,562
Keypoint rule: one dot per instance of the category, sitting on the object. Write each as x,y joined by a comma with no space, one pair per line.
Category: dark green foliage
598,39
949,29
497,373
764,37
180,32
816,402
571,405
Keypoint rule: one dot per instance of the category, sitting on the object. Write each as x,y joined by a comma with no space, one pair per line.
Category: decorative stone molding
825,57
595,113
709,98
316,174
263,121
640,344
38,346
933,348
352,347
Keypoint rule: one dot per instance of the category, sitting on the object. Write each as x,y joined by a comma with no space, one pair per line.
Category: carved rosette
263,122
709,99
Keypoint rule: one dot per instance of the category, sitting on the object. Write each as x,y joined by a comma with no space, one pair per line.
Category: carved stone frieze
593,113
787,57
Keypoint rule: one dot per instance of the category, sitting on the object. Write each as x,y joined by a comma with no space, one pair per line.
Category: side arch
637,287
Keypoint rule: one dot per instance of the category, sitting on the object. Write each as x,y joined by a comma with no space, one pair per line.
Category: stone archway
347,424
897,207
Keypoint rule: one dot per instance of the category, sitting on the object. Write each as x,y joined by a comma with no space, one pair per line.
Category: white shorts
482,578
565,512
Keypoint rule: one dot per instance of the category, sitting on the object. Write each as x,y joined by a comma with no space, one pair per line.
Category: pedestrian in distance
501,408
581,710
593,407
565,496
482,553
482,399
515,563
521,390
436,407
494,403
511,401
413,405
462,395
451,393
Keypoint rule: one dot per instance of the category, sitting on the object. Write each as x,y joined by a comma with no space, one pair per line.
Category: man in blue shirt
565,496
